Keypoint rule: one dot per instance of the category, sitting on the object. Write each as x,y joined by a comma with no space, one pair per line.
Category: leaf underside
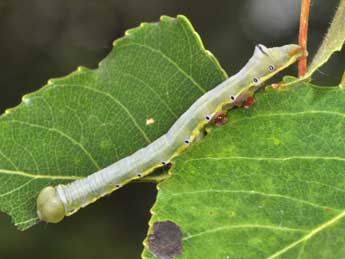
333,41
269,184
89,119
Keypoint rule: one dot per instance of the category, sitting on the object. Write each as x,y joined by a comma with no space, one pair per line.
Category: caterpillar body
54,203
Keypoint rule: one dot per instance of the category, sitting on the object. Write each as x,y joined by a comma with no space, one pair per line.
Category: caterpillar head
278,58
270,61
287,54
49,206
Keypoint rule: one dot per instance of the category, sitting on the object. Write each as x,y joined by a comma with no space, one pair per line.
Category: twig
303,36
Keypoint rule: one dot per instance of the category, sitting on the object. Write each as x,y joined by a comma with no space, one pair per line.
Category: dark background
43,39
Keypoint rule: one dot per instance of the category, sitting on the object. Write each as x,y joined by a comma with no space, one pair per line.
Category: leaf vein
252,192
39,176
268,158
130,115
17,188
152,90
189,48
8,159
282,114
190,78
61,133
26,221
233,227
309,235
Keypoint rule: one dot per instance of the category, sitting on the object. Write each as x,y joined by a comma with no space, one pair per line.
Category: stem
303,36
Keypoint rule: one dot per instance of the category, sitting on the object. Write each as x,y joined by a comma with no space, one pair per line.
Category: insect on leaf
89,119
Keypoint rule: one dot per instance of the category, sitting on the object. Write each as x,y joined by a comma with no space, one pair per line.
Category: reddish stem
303,36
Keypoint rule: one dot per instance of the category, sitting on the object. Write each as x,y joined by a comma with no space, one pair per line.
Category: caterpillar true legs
53,203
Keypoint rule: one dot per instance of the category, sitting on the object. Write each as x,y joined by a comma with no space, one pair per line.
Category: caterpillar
54,203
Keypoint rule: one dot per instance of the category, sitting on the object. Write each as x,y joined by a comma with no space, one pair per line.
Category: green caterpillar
54,203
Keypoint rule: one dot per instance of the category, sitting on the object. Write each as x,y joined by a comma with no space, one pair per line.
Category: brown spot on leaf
166,240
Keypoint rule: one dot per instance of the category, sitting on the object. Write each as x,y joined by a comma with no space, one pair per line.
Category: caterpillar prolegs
53,203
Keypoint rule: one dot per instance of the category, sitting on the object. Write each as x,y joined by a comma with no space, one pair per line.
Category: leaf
333,41
83,122
269,184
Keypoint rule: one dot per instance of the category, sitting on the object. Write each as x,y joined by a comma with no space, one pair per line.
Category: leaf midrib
39,176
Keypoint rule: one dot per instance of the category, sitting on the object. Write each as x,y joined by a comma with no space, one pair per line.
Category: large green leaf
269,184
83,122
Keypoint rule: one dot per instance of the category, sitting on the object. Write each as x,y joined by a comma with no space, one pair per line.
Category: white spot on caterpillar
150,121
